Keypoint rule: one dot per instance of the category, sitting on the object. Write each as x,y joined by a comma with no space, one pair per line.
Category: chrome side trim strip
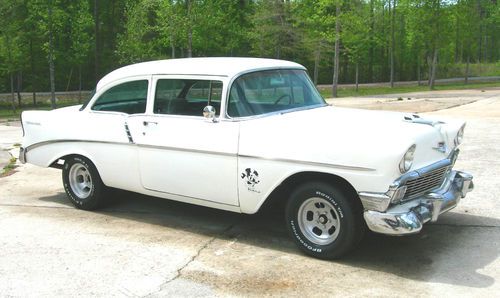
188,197
36,145
44,143
187,150
312,163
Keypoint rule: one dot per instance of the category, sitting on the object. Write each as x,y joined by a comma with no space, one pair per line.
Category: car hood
354,138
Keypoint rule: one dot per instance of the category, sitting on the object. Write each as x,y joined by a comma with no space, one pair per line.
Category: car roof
216,66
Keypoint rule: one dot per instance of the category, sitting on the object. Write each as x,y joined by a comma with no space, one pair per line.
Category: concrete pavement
146,247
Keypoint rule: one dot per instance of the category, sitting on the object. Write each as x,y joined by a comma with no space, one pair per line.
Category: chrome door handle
147,123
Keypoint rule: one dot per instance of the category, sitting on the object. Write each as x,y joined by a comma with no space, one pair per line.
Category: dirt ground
146,247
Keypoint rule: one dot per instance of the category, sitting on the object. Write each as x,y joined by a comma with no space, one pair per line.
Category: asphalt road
141,246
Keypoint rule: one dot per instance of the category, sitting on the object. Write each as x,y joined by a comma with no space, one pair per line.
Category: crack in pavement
192,259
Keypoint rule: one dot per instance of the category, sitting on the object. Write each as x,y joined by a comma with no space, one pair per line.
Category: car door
181,152
103,125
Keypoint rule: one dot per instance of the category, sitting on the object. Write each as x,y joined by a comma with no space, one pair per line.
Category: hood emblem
441,147
414,118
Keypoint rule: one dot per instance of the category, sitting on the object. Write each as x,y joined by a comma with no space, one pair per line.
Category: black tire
82,183
323,221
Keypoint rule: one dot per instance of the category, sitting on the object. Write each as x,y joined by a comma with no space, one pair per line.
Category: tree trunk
337,51
429,63
12,96
80,83
433,72
370,53
19,87
33,78
391,52
467,70
418,71
190,31
317,56
51,59
480,37
457,34
96,42
172,46
357,76
69,78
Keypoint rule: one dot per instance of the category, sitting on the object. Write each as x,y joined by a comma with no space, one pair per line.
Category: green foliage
98,36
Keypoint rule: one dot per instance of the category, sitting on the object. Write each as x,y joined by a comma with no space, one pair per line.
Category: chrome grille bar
425,183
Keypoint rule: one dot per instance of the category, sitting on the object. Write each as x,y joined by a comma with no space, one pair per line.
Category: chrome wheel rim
319,221
80,180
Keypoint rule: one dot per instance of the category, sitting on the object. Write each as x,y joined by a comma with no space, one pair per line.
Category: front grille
425,183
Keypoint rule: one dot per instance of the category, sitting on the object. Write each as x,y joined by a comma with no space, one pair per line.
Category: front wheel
323,220
82,183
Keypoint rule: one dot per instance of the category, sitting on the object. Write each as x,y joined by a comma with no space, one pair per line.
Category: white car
238,133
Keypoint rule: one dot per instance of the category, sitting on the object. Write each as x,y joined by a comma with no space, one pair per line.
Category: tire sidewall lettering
331,200
305,243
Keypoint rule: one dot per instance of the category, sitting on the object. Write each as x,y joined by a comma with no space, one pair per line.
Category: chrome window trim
238,119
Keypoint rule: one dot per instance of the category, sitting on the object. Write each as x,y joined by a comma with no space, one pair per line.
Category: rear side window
129,97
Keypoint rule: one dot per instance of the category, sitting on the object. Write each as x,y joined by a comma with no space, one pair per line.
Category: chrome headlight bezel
460,136
407,160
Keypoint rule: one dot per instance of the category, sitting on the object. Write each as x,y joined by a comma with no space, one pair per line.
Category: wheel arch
279,196
55,162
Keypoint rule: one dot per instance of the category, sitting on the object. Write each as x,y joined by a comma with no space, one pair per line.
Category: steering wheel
283,96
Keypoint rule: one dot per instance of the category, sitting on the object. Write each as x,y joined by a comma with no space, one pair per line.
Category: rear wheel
82,183
323,220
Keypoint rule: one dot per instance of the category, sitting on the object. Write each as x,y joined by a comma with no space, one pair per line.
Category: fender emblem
441,147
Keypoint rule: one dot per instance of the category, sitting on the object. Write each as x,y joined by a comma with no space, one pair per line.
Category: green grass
9,168
367,91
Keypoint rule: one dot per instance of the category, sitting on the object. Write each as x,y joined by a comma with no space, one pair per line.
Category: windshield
269,91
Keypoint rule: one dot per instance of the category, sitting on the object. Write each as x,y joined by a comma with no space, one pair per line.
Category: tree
78,33
272,34
12,41
355,34
141,39
393,40
337,49
313,30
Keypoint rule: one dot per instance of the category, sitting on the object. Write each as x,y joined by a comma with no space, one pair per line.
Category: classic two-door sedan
236,133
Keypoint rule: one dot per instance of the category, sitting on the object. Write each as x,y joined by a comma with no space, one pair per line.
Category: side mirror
209,113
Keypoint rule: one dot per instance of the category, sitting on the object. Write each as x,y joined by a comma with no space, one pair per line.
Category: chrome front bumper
409,217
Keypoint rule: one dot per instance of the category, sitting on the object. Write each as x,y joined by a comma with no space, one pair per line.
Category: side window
129,97
186,97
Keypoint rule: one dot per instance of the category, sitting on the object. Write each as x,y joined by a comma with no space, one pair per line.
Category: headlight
407,161
460,136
